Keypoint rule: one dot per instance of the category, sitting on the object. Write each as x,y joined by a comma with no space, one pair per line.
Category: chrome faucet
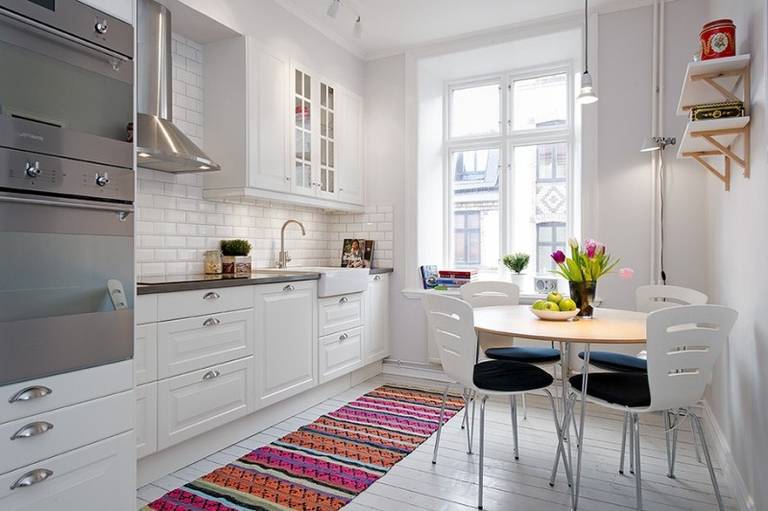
283,258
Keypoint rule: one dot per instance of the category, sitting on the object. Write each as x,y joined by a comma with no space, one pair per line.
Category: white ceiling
391,25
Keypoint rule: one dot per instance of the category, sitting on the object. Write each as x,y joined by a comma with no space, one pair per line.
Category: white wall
738,244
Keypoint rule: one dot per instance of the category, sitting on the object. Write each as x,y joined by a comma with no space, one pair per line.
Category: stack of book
434,278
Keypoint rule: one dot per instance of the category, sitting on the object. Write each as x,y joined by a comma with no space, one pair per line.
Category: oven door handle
127,209
63,35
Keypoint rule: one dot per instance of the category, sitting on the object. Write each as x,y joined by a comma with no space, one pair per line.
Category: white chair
451,321
683,344
489,293
649,299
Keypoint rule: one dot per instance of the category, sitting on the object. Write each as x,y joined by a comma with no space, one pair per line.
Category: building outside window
509,145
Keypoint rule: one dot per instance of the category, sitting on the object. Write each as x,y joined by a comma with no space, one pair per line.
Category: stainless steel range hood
160,144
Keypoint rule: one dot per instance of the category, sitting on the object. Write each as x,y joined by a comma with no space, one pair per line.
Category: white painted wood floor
416,484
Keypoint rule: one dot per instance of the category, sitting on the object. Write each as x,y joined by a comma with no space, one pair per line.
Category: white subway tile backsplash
175,225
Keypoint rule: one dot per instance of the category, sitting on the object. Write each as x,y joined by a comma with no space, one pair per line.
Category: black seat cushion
626,389
530,355
508,376
617,362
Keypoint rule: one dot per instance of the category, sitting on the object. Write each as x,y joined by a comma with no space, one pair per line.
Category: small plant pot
236,264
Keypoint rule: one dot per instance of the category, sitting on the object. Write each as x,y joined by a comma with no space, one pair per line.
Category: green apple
552,307
567,305
554,297
540,305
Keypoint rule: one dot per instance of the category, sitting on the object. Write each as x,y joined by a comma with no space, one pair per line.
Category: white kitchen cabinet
337,313
350,166
194,343
200,302
145,353
199,401
102,474
121,9
376,346
285,145
146,419
341,353
286,340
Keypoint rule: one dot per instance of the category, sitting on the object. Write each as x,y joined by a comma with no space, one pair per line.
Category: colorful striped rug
323,465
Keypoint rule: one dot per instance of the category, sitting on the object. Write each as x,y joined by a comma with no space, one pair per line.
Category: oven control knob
32,169
102,180
102,27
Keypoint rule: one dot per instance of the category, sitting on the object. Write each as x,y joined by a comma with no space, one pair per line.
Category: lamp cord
586,36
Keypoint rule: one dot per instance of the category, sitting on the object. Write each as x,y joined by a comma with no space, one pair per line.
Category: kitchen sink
333,281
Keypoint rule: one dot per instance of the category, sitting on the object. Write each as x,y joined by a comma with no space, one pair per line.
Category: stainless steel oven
66,189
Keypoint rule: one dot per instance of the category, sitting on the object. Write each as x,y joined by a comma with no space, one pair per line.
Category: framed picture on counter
357,253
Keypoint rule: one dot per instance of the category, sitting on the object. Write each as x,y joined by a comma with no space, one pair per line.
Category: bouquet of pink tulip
584,265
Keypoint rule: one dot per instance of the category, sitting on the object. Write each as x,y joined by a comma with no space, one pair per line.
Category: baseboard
167,461
414,370
723,449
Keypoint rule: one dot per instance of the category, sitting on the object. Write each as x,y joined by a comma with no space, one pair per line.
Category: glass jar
212,262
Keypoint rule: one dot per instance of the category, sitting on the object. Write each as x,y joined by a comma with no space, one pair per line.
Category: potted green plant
235,258
516,263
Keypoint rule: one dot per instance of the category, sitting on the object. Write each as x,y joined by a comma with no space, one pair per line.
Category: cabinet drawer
146,419
35,438
189,344
145,353
340,313
91,478
45,394
204,301
190,404
341,353
145,310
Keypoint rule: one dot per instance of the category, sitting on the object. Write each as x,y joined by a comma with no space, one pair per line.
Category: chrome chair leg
673,451
708,459
525,409
513,409
563,434
560,446
638,472
440,423
468,428
668,432
482,452
623,443
472,421
466,408
694,437
632,447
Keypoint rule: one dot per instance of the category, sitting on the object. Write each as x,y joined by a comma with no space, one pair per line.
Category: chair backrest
653,298
683,345
486,293
452,325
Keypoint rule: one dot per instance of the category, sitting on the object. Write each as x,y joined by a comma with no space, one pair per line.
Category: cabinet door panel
286,340
341,354
339,313
269,88
146,419
350,147
145,353
377,319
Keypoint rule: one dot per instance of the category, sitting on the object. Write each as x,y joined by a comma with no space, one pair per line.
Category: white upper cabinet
121,9
291,141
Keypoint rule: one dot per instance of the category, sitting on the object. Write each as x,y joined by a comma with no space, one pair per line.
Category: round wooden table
609,326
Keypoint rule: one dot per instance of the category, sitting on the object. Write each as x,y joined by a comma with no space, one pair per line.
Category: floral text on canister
582,270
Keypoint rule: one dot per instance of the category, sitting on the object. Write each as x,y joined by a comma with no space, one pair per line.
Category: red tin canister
718,39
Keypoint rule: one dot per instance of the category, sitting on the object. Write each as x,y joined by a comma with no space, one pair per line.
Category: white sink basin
334,281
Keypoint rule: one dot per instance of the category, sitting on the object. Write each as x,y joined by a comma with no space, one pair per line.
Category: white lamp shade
587,92
650,145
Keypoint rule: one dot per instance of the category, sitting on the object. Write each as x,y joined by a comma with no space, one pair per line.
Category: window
508,149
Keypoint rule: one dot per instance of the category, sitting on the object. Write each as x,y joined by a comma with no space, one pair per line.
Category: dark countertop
377,271
173,283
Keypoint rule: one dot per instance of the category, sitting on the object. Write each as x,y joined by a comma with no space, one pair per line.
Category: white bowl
555,316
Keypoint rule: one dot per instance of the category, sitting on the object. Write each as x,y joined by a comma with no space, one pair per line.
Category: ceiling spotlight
657,144
358,31
586,92
333,9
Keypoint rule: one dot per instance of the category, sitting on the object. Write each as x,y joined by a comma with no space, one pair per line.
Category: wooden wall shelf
717,81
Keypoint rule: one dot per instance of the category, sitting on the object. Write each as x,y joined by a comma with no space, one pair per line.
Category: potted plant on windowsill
582,270
235,258
516,263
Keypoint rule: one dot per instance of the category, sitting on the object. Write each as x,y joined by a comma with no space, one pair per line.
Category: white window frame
506,140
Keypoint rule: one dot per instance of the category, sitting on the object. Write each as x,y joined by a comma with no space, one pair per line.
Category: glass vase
583,293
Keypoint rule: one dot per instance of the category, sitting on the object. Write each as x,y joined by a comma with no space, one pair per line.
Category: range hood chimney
160,144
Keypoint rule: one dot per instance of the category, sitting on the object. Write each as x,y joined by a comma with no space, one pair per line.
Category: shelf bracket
728,95
725,176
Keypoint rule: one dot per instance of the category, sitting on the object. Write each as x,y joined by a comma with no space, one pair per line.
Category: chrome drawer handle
210,375
343,300
343,337
377,277
289,288
33,429
211,322
32,477
212,295
30,393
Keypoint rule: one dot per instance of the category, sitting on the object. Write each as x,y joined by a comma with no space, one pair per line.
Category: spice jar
212,262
